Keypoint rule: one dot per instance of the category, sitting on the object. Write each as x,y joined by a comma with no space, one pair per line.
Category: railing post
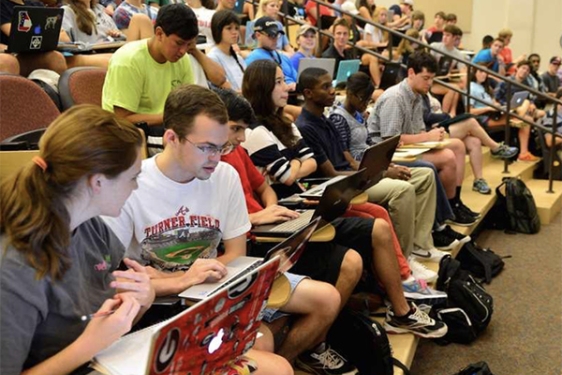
507,137
552,148
467,106
353,27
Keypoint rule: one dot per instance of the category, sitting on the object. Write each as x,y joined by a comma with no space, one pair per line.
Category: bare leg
318,304
374,68
524,135
385,266
9,64
53,60
350,273
100,60
472,128
270,363
448,98
474,148
444,161
457,146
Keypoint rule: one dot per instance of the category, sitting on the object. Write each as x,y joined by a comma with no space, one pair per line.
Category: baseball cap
267,25
304,28
555,60
409,2
348,6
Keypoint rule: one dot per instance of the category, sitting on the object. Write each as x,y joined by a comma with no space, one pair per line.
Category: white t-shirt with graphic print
169,224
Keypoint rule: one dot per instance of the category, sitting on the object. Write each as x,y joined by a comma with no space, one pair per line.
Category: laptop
333,203
35,29
289,251
346,68
445,63
327,21
200,340
238,7
518,98
326,64
375,161
389,75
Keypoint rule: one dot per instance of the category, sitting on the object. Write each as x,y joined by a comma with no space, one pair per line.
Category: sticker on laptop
51,22
24,21
36,42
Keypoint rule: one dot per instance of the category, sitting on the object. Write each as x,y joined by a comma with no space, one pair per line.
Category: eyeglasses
212,150
270,36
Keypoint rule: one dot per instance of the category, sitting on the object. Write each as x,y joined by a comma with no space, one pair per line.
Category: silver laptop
289,251
327,64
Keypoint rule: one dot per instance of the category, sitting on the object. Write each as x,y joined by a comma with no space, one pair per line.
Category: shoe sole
448,247
482,192
424,299
306,368
461,224
426,258
429,335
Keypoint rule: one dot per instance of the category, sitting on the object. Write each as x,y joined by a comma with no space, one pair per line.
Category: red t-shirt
250,177
324,11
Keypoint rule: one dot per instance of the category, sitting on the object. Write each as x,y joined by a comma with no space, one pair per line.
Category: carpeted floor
525,335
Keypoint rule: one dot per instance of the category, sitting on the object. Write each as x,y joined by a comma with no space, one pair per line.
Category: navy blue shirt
6,11
321,135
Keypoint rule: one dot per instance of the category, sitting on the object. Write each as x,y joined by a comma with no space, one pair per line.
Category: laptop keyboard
319,189
295,224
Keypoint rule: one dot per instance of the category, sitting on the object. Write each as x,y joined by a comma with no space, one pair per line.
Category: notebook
346,68
326,64
199,340
332,204
35,29
288,251
375,161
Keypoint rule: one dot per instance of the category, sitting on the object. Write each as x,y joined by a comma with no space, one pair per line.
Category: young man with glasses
266,32
188,201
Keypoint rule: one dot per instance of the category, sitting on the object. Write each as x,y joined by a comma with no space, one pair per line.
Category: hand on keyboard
273,214
205,270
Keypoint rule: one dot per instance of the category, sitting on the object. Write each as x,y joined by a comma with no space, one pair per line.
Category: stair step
548,204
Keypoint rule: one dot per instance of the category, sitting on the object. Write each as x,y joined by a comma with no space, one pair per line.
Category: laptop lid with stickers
35,29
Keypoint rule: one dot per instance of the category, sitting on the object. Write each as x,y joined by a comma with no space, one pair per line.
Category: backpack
478,368
464,292
48,80
483,263
364,343
519,205
459,325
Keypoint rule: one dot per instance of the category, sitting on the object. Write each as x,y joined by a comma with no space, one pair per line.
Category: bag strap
401,366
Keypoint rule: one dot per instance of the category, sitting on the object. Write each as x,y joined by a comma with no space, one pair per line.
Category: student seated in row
204,200
59,261
270,8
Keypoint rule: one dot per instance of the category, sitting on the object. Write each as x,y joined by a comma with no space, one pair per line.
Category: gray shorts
272,314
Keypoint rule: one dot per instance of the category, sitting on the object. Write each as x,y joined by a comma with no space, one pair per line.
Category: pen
96,315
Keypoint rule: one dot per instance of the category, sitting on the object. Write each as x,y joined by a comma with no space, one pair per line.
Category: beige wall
536,24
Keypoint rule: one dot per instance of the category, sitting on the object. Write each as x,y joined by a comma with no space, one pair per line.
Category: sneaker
420,272
416,322
324,361
428,255
480,185
469,211
504,152
462,218
419,292
451,233
442,241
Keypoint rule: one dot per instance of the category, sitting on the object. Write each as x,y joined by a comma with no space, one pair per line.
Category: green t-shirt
136,82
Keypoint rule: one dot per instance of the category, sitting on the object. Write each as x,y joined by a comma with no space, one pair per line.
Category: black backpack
478,368
364,343
482,263
518,205
464,292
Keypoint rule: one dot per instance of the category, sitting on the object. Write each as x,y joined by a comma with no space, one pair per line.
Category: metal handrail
470,66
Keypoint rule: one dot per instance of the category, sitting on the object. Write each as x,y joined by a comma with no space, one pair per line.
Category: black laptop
333,204
375,161
389,75
35,29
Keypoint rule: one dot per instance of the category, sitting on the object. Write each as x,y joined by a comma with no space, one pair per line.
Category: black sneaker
462,218
442,241
326,362
469,211
416,322
451,233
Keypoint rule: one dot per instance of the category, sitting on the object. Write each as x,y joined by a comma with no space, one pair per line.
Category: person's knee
472,143
352,265
457,145
381,232
327,300
56,61
9,64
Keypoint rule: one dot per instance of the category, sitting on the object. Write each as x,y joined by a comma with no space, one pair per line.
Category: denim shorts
272,314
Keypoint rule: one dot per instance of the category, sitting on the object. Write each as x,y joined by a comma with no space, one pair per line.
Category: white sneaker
421,272
428,255
418,291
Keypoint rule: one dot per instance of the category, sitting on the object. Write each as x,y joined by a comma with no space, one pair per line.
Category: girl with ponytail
86,21
225,27
58,262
